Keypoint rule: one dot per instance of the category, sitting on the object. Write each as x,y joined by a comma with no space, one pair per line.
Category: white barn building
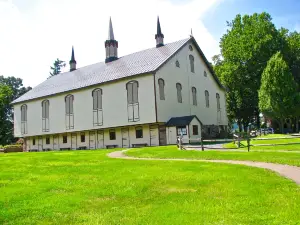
145,98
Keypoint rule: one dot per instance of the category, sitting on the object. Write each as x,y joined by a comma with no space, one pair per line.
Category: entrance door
154,135
92,140
28,144
125,138
40,143
73,141
55,142
100,139
162,135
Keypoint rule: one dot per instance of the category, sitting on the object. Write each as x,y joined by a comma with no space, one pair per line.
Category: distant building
145,98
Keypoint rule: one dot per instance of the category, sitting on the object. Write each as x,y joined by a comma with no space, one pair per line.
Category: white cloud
31,39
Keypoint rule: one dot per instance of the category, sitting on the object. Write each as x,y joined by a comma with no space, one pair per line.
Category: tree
248,44
57,66
11,89
278,94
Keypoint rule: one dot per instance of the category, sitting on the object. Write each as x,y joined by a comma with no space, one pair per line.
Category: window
139,132
192,63
97,107
195,130
191,48
205,74
177,64
82,137
112,135
161,86
24,119
133,101
69,112
194,93
33,141
179,94
207,99
218,102
47,140
45,116
181,130
65,139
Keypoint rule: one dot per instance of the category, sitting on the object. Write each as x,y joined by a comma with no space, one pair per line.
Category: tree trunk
281,125
240,125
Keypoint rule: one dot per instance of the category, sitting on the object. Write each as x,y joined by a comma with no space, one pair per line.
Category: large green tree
278,94
11,89
57,66
246,47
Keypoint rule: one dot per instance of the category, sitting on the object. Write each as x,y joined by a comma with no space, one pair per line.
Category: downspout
155,96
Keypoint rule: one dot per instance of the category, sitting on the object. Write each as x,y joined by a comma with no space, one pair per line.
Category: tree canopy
278,93
57,66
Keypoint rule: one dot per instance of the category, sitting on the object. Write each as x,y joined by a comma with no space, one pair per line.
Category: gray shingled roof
142,62
137,63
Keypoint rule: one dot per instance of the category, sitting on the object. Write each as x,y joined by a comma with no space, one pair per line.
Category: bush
13,148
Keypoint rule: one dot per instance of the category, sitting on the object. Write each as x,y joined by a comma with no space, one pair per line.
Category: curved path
290,172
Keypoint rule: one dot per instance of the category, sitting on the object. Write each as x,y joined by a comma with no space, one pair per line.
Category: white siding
114,109
194,138
171,75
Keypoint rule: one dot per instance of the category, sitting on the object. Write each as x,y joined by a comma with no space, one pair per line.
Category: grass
288,158
86,187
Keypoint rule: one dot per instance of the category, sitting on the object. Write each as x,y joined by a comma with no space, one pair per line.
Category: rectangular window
181,130
65,139
47,140
33,141
139,132
82,137
112,135
195,130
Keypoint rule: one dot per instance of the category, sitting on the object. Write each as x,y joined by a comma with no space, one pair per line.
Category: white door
74,141
28,144
154,135
55,142
92,140
100,139
40,144
125,138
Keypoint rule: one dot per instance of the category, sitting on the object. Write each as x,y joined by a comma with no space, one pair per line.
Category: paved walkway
290,172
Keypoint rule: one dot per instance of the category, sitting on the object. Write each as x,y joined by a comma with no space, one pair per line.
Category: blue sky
36,32
285,13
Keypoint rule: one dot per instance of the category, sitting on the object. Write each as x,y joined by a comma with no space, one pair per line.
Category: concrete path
290,172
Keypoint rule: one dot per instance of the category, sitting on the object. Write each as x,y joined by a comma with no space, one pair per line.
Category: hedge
13,148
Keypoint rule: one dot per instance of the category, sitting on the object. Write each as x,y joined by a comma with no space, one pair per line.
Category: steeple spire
110,31
159,35
111,45
72,61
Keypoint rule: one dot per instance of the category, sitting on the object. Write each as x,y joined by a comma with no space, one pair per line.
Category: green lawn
289,158
86,187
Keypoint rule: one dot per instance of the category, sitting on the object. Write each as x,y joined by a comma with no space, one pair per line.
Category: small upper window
205,74
192,63
112,135
194,93
82,137
191,48
139,132
177,63
65,139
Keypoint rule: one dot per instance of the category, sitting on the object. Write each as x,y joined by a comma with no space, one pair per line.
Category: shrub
13,148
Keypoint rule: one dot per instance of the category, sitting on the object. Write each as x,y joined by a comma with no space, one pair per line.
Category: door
162,135
92,140
73,141
125,138
100,139
28,144
40,143
55,142
154,135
